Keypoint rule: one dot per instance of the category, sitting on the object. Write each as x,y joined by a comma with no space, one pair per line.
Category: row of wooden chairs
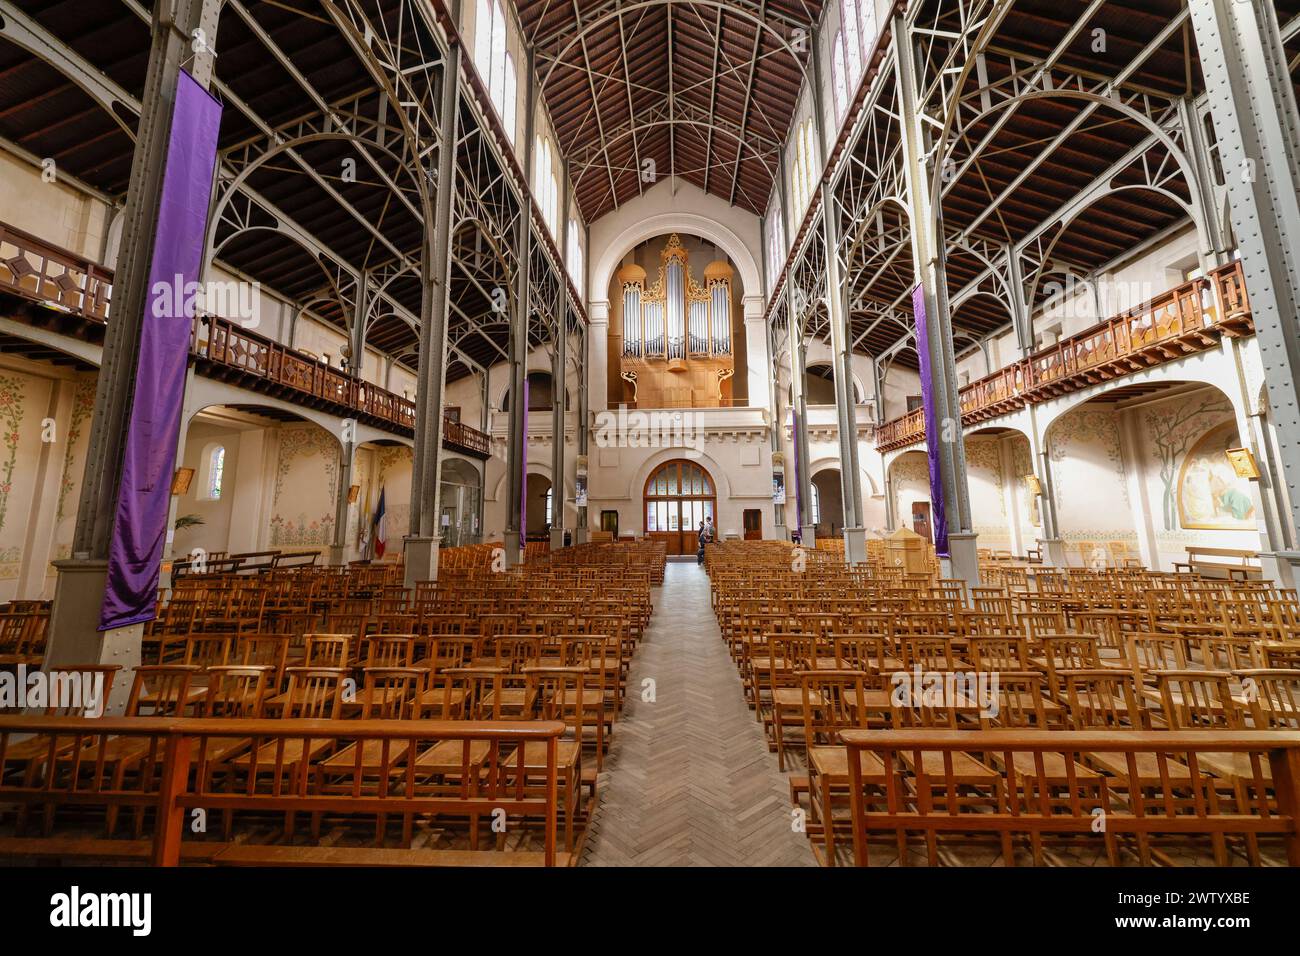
825,649
23,626
551,646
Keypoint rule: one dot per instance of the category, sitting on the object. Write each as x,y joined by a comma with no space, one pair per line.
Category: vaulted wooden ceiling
641,90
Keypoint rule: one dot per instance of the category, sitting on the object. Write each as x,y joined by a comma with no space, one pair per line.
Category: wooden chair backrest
237,690
315,692
167,687
1272,697
832,701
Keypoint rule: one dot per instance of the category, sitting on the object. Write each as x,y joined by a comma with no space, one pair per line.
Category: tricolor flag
377,523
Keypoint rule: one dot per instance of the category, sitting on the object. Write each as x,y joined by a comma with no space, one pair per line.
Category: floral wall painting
1210,495
1171,429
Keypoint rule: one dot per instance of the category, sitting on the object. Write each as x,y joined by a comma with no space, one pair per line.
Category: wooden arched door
678,496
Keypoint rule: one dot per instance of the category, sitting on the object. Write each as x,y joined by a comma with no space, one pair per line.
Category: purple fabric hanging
144,496
798,485
938,514
523,477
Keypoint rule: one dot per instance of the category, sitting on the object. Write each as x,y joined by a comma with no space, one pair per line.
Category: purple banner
798,485
938,514
523,476
144,496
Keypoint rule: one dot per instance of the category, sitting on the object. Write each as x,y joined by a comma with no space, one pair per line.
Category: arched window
549,493
866,26
495,65
508,95
802,169
553,205
852,41
214,472
837,77
483,37
575,253
775,248
808,157
816,504
546,186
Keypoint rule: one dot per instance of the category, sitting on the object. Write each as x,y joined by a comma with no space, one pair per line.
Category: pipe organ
677,337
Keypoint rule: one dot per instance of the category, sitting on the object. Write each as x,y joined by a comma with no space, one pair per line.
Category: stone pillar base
73,638
421,560
855,545
514,545
809,535
581,535
557,539
337,554
963,560
1053,551
1280,567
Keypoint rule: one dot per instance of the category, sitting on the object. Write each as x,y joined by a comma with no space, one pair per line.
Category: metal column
855,546
929,270
1248,85
515,531
435,304
799,435
79,591
559,374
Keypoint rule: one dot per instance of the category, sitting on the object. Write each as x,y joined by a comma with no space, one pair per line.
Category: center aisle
689,780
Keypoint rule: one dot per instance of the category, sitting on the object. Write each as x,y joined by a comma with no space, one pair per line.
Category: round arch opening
678,496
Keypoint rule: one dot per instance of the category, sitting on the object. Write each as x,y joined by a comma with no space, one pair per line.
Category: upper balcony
1186,319
71,295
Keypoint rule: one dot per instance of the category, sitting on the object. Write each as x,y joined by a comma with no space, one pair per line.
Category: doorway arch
678,495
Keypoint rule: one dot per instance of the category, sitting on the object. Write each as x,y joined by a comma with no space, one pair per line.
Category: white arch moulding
665,224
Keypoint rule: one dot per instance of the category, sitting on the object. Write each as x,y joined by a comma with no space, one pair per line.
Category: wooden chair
830,703
788,656
510,655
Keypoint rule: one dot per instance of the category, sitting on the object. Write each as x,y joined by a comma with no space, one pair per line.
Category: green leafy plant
187,521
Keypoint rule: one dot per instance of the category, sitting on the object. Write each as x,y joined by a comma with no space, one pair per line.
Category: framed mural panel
1211,495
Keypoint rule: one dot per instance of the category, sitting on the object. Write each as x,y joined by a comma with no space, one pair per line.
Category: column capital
598,312
753,307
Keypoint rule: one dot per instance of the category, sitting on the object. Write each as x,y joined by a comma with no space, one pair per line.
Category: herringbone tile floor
688,780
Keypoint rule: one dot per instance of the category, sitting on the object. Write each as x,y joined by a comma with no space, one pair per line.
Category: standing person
703,538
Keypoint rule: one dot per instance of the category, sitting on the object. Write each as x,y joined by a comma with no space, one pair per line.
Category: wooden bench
462,772
244,854
1181,797
295,559
1238,564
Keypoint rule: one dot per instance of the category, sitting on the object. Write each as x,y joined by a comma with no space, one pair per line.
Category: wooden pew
463,772
1183,805
1235,563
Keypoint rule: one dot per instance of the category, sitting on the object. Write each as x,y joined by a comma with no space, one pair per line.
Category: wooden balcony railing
902,430
54,277
1189,318
58,279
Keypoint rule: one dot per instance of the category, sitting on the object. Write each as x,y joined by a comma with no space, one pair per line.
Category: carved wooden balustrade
71,285
1186,319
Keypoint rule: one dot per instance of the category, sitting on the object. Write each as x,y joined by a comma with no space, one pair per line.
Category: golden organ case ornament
677,332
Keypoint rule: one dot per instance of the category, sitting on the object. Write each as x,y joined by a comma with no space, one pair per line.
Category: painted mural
12,391
1210,495
304,504
1171,431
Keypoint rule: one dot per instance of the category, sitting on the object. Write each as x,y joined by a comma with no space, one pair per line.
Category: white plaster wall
56,212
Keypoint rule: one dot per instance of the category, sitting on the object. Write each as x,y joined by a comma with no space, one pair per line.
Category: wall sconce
1243,463
1033,484
181,481
354,493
